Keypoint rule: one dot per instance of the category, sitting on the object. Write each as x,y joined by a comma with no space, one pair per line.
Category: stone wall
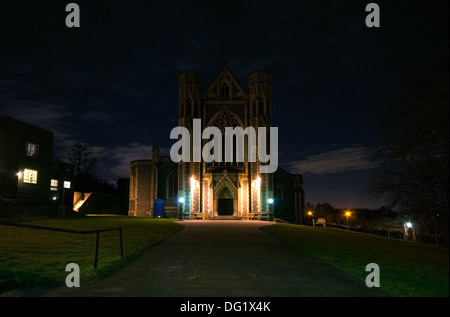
142,178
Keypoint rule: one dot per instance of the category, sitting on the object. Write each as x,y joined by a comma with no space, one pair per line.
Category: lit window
32,149
30,176
54,185
66,184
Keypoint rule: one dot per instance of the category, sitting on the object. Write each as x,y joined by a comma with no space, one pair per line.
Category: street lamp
309,213
270,200
180,207
409,231
347,214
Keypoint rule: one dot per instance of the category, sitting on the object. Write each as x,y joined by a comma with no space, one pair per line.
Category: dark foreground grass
406,268
40,256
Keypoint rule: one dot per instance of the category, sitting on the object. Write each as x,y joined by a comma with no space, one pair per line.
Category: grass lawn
406,268
40,256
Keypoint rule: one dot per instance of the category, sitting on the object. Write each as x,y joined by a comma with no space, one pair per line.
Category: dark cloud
336,161
113,163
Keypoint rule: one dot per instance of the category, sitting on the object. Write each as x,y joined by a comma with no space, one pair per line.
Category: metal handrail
96,231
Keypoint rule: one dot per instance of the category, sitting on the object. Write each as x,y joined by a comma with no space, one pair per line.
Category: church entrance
225,202
225,206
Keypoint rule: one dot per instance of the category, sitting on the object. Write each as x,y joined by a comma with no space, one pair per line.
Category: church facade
218,190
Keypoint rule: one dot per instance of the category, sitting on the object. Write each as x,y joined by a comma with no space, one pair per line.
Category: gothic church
217,190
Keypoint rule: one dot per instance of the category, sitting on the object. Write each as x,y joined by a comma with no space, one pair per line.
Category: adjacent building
27,170
61,184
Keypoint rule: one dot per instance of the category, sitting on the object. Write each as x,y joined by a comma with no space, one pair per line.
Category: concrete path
223,259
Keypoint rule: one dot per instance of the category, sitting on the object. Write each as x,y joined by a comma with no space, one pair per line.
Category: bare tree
414,151
81,157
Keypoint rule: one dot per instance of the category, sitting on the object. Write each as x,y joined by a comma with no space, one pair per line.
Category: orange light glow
194,183
257,182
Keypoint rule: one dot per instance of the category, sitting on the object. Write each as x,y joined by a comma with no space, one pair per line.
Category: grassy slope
28,255
40,256
406,268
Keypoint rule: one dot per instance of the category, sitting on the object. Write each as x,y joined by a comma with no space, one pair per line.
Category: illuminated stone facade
218,190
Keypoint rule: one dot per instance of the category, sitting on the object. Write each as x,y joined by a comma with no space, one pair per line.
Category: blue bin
158,208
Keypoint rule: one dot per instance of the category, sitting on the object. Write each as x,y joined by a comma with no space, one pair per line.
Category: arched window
223,120
225,193
278,191
196,109
225,90
172,182
188,109
254,105
261,107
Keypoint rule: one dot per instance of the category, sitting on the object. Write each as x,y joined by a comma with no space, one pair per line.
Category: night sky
112,83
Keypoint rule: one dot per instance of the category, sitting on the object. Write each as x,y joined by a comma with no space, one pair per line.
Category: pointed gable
225,86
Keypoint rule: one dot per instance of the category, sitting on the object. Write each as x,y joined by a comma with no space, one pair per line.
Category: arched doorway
225,202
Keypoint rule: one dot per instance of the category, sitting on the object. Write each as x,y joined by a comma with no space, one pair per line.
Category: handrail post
97,237
121,242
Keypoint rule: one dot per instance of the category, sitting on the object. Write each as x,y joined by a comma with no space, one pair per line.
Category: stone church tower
218,190
225,189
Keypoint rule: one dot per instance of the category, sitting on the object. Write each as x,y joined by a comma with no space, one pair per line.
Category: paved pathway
223,259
